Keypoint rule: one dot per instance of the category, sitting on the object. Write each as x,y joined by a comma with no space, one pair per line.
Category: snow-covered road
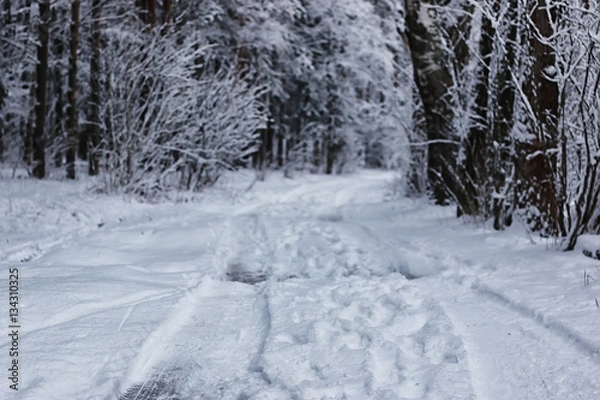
312,288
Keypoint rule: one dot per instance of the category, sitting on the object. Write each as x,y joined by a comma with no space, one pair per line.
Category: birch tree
432,63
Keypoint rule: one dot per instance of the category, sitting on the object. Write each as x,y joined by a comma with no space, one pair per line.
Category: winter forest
490,105
300,199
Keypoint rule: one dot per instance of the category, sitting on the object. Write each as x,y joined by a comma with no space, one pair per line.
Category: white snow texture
311,288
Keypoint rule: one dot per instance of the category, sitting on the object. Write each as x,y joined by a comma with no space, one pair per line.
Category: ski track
334,312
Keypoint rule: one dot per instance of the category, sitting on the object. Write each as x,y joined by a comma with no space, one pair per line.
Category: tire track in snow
152,352
511,355
587,347
258,361
449,262
483,355
210,348
542,377
29,252
552,325
423,352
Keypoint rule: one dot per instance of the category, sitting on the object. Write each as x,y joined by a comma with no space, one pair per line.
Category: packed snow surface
308,288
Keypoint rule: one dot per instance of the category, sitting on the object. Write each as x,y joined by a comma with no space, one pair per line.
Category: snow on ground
305,288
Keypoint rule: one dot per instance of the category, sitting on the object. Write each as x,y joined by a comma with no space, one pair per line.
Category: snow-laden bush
171,123
16,106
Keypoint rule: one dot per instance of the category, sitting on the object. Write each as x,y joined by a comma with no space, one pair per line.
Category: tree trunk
167,12
329,156
475,167
151,4
56,86
142,7
536,165
501,157
280,151
95,121
433,78
72,120
147,11
167,16
59,117
39,150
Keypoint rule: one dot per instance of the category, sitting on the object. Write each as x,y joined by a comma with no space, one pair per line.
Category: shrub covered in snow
171,122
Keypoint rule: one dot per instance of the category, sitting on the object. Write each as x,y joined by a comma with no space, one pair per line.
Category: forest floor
315,287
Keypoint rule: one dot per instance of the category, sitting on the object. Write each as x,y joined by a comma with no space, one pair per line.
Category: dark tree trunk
95,121
59,117
147,11
167,12
316,156
329,149
475,168
151,4
433,78
268,142
280,151
143,10
56,86
72,120
259,158
167,16
536,165
6,18
39,146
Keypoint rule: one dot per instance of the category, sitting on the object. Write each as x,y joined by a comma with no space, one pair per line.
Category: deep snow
309,288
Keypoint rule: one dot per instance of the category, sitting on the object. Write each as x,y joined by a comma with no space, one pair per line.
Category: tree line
160,95
509,94
490,105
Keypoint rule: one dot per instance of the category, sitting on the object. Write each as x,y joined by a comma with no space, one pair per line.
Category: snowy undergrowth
39,214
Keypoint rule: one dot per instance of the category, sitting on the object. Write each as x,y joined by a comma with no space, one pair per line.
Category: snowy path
299,290
512,356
